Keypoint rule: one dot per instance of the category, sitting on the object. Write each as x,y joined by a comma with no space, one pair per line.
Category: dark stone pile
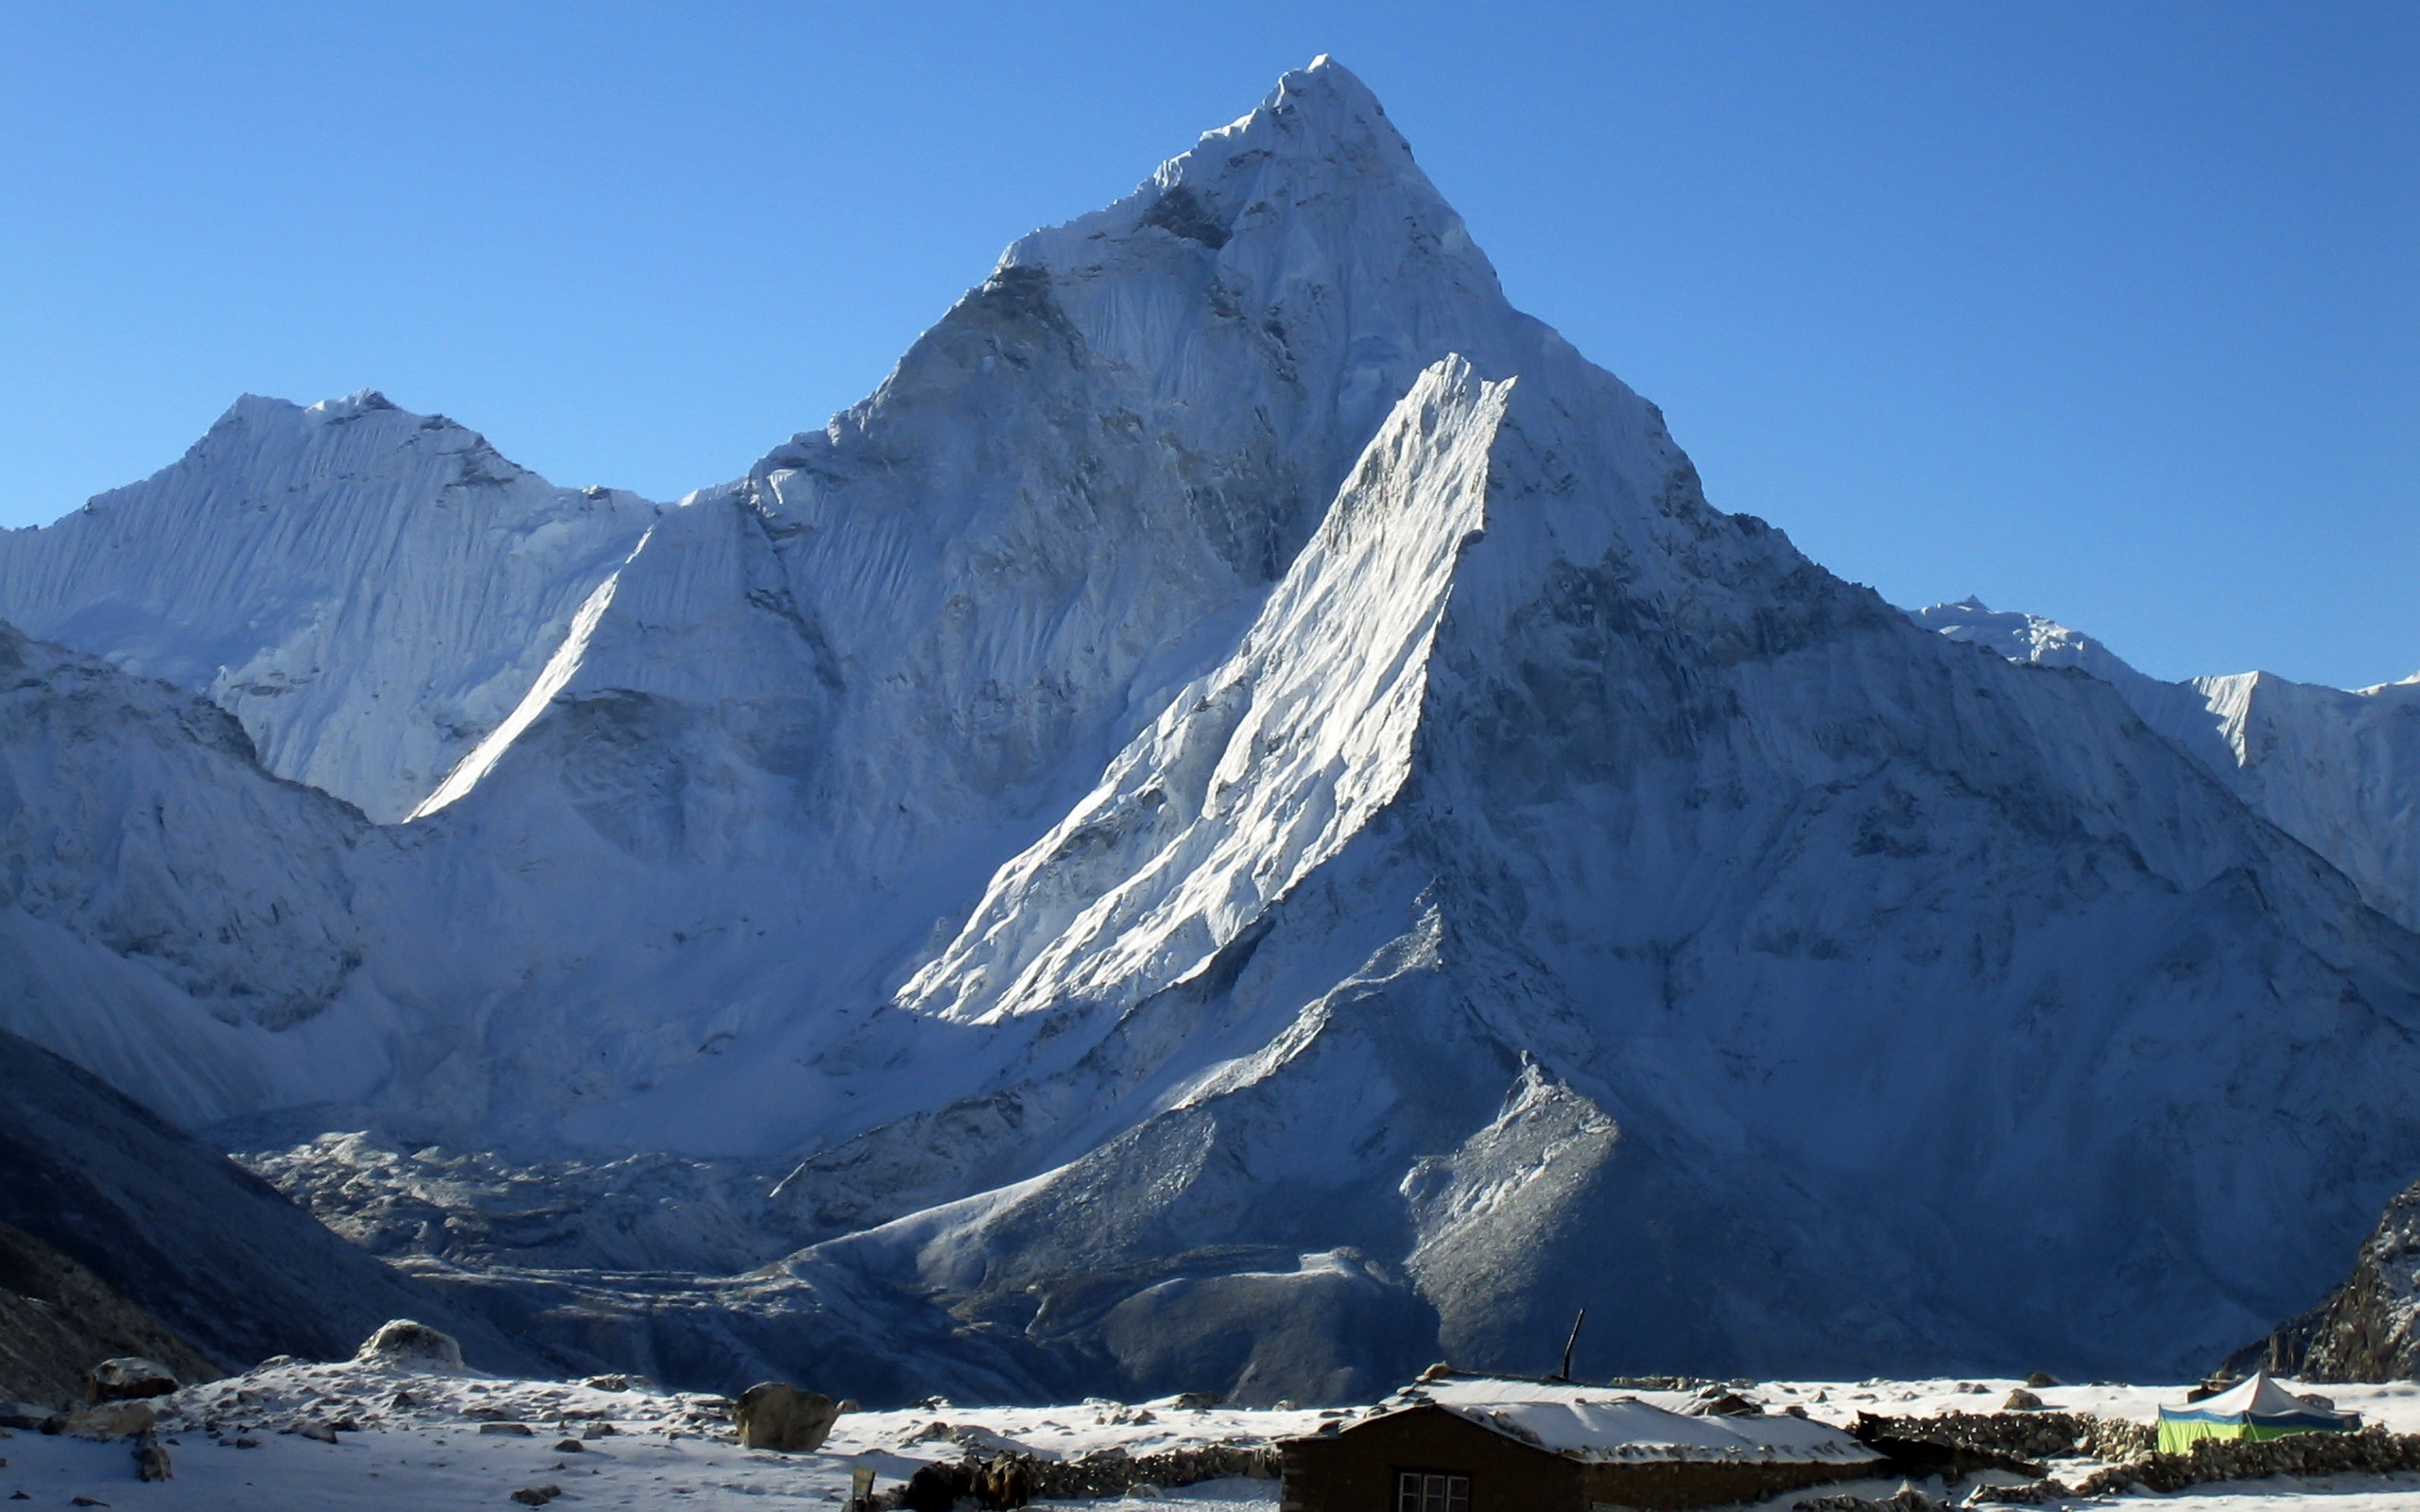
1013,1480
1907,1499
2032,1435
2371,1452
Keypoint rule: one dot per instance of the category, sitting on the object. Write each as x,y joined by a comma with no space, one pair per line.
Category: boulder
776,1415
151,1459
412,1345
128,1377
110,1420
2021,1400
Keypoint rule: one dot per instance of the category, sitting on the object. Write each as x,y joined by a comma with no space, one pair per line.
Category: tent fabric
2260,1408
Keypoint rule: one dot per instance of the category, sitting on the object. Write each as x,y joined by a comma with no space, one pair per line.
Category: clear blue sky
2111,312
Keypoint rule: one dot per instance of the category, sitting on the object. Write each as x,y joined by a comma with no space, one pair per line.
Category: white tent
2257,1408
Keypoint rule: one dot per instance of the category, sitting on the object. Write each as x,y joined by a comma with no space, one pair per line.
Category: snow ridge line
552,680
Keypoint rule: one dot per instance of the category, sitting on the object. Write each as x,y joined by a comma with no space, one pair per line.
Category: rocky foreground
404,1427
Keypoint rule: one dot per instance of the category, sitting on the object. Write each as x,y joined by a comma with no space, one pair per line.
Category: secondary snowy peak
1261,771
369,591
2027,638
2338,770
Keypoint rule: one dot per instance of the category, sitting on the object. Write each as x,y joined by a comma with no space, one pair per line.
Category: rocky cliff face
57,1320
1243,824
2366,1329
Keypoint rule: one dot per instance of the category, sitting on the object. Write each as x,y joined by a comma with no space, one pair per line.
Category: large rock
111,1420
128,1377
411,1345
776,1415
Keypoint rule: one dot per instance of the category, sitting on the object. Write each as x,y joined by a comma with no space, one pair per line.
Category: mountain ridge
1244,814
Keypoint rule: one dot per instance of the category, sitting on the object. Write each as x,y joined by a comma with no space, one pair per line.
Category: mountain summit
1243,824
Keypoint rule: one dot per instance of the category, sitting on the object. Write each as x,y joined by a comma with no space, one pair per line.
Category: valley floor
411,1442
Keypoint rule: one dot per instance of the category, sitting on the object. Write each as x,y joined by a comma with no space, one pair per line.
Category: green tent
2260,1408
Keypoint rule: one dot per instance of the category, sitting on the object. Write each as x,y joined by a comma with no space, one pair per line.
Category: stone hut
1488,1444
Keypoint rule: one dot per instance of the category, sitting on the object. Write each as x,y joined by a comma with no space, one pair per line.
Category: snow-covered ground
411,1440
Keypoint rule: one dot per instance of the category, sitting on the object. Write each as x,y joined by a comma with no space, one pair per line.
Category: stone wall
2025,1435
2371,1452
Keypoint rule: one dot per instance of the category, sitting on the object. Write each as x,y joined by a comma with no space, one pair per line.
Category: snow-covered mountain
2338,770
176,918
369,591
1243,824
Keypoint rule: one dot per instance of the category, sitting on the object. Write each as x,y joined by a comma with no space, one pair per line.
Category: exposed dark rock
2364,1329
128,1377
1907,1498
107,1419
2028,1436
57,1320
1921,1457
2371,1452
151,1459
1181,211
200,1245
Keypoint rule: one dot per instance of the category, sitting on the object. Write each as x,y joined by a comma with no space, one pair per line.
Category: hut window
1431,1492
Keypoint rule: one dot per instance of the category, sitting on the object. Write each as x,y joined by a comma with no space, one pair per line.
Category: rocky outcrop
2365,1330
186,1236
59,1321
